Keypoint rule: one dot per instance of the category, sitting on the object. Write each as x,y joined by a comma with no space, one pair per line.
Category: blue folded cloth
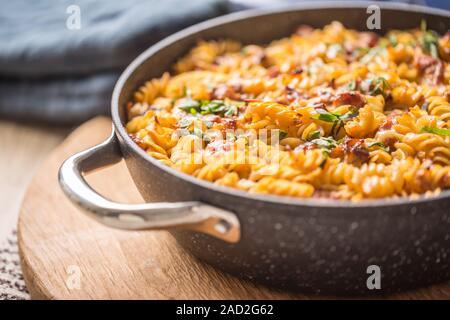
52,72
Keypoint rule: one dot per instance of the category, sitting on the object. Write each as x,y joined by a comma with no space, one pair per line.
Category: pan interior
261,27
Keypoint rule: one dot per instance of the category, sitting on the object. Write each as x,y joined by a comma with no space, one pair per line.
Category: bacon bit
432,68
321,194
350,97
356,151
424,61
306,147
445,48
446,37
349,48
427,163
129,106
290,95
447,95
138,141
353,150
219,145
387,124
229,123
390,120
297,70
273,71
304,30
438,74
443,181
323,98
332,83
260,58
390,142
226,91
423,181
338,152
368,39
252,100
319,105
212,117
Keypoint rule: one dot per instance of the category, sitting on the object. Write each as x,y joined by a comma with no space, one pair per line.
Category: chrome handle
193,215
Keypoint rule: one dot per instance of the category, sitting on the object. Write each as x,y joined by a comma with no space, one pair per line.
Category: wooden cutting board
65,255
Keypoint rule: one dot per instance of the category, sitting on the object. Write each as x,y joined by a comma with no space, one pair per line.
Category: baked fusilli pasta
326,112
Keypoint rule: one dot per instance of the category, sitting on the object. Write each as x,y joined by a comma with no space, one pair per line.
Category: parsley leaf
314,135
429,40
282,134
185,122
325,115
371,54
378,144
376,86
188,104
337,119
351,86
438,131
208,107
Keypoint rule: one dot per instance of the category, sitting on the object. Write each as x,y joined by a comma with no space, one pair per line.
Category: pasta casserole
330,112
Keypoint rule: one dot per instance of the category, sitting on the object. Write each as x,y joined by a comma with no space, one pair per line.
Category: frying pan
309,245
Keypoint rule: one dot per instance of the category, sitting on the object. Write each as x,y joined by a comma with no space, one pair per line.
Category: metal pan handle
193,215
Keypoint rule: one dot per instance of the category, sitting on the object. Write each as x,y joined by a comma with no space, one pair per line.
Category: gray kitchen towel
60,59
12,284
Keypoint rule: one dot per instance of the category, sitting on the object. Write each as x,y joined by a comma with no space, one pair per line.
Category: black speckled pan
308,245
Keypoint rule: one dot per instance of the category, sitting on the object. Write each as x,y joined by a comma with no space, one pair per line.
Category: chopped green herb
215,106
198,132
376,86
378,144
184,122
327,116
208,124
282,134
360,52
232,111
353,113
372,53
438,131
208,107
429,40
393,40
206,138
324,115
337,119
326,155
314,135
425,106
334,50
351,86
230,136
188,104
187,92
327,143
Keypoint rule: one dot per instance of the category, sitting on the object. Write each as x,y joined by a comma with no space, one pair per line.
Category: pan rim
119,128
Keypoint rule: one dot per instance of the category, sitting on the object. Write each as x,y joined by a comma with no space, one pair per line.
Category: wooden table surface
22,148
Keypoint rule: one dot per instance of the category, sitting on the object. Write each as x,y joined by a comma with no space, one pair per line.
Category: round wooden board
66,255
